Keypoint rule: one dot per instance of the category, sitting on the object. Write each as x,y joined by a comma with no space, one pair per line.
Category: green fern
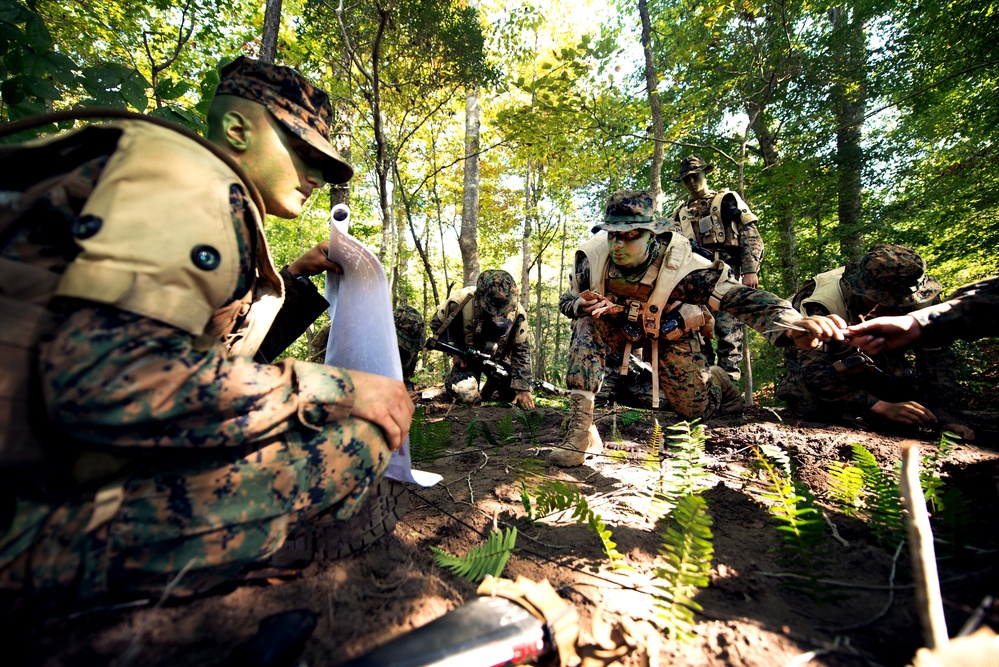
846,484
687,551
929,471
953,520
488,558
651,459
504,430
883,502
532,422
793,507
555,496
427,440
472,433
529,470
629,417
685,465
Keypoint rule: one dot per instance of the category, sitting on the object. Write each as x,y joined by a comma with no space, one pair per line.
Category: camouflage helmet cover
409,329
629,210
462,386
691,165
892,276
495,292
301,107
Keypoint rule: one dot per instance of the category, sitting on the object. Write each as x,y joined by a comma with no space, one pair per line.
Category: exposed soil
750,617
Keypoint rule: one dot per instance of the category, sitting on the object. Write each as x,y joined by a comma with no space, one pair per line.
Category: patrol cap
631,209
301,107
691,165
495,292
893,276
409,328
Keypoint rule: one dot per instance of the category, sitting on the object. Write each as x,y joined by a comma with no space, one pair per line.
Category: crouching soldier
487,330
409,332
639,286
838,380
136,289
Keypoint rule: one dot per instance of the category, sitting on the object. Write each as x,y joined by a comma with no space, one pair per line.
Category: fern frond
529,470
687,551
532,422
883,503
630,417
846,484
427,440
685,464
488,558
504,430
652,453
929,471
472,433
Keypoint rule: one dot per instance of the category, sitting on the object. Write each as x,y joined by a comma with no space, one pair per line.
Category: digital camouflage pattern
409,332
815,388
685,376
727,352
972,312
216,458
495,292
691,165
301,107
892,276
747,255
630,209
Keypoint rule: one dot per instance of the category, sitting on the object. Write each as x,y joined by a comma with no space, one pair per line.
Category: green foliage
532,422
479,429
685,464
488,558
846,484
882,504
929,471
554,496
427,440
686,551
651,458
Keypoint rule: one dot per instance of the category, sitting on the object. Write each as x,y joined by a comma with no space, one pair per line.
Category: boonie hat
691,165
631,209
409,328
301,107
892,276
495,292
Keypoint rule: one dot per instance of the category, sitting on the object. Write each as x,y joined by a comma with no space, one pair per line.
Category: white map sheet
362,330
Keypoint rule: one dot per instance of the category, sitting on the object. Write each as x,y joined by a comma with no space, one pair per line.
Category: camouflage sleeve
568,301
935,369
971,313
819,376
116,378
750,241
762,310
521,377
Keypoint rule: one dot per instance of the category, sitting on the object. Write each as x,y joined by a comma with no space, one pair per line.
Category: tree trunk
652,87
468,240
539,360
850,102
272,26
525,244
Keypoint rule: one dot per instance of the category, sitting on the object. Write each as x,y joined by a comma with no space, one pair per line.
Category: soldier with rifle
839,380
484,330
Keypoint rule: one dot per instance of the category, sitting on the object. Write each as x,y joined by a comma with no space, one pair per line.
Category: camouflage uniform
744,255
168,452
493,297
684,370
838,380
972,312
409,332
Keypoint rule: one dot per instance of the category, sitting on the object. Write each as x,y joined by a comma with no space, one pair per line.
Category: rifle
471,357
549,388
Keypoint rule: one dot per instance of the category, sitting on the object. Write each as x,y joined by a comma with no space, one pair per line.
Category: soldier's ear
236,130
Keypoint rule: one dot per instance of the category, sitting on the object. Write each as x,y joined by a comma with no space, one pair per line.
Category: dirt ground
864,614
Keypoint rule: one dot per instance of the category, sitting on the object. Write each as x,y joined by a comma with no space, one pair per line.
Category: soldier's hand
751,280
885,333
457,361
960,430
906,412
817,329
524,400
385,403
314,261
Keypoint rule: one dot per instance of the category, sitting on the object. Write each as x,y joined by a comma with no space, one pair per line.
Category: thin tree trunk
850,100
652,88
561,273
539,360
468,240
272,26
525,244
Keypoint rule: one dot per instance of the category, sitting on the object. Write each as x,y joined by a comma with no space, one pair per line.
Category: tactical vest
469,314
702,221
828,294
154,236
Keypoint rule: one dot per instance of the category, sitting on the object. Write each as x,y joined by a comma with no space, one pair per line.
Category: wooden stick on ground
924,562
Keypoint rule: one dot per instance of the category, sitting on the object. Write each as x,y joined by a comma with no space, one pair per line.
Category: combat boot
582,437
731,399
